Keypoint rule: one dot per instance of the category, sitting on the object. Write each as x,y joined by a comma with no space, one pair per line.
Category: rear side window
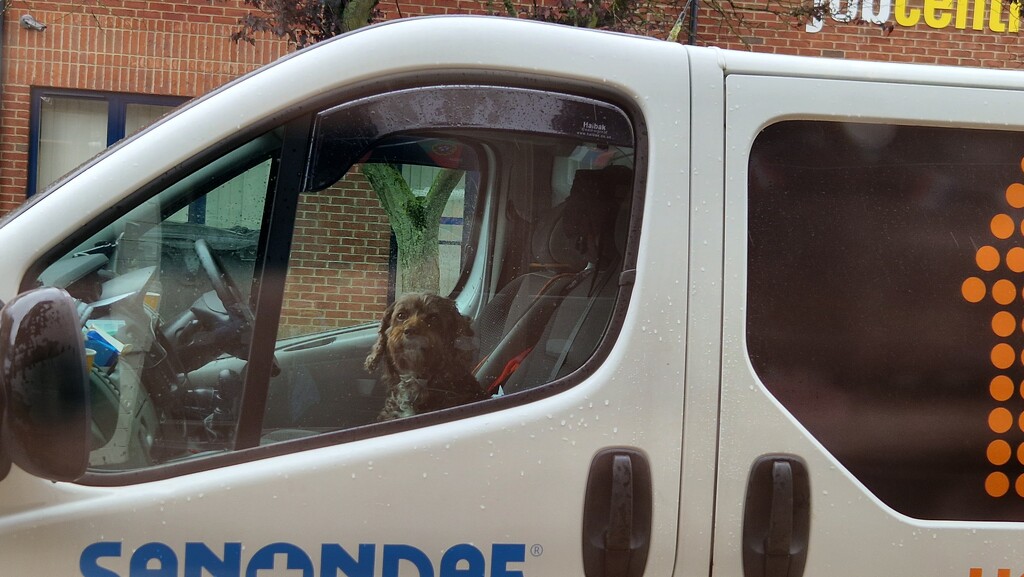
886,265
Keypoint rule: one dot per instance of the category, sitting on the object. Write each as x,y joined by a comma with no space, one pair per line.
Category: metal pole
693,22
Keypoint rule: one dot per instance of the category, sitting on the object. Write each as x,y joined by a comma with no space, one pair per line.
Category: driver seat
548,312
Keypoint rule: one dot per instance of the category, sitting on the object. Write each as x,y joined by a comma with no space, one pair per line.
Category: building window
70,127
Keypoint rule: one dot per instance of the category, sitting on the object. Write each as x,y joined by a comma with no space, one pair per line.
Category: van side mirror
44,388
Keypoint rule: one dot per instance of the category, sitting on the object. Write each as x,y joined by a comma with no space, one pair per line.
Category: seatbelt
591,299
540,293
513,363
510,367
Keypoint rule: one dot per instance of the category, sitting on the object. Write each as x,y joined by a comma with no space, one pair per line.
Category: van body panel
704,296
753,420
695,371
783,66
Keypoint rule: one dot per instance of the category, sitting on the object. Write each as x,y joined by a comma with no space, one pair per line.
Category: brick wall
179,48
164,48
339,276
339,272
182,49
865,41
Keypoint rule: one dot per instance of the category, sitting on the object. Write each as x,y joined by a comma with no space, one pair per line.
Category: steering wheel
230,297
226,289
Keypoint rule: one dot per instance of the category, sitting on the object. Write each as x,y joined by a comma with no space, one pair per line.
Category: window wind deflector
345,133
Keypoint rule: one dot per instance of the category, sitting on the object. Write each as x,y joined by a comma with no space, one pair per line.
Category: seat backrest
564,323
571,335
513,301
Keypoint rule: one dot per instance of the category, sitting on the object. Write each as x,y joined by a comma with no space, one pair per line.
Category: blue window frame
68,127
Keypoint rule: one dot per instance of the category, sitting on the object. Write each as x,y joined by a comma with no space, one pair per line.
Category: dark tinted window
884,288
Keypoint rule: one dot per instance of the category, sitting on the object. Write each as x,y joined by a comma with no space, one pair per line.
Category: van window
350,257
448,266
884,288
416,269
168,287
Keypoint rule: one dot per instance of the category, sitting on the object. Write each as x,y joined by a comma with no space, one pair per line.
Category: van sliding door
872,415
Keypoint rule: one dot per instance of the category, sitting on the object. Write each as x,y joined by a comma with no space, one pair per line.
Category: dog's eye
401,315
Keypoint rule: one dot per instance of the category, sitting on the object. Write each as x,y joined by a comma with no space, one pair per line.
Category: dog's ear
380,348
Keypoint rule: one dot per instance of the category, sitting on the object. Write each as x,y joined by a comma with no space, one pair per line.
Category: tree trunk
416,222
418,262
357,14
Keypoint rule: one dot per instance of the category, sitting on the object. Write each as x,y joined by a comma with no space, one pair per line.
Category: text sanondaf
107,559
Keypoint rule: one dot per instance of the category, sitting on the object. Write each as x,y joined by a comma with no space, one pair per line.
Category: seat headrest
593,210
564,248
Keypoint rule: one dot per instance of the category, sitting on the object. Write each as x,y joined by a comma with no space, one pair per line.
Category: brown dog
424,353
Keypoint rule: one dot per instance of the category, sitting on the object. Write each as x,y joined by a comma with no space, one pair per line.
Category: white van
729,314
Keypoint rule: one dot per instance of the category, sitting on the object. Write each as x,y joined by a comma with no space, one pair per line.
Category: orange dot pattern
987,258
1003,356
1004,292
1015,195
1002,226
999,452
1003,324
997,484
999,281
1015,259
974,290
1001,388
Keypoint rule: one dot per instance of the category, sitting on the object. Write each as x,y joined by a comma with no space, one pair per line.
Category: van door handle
776,517
617,514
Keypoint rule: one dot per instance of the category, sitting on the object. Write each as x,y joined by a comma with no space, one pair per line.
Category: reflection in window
169,322
73,126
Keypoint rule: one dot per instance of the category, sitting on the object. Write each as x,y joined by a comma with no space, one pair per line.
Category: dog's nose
409,331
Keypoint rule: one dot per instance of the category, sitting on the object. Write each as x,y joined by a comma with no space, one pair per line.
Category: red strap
510,368
536,297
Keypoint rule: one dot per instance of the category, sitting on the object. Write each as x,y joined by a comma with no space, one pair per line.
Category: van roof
750,63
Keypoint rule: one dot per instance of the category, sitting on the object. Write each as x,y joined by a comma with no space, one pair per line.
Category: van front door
414,332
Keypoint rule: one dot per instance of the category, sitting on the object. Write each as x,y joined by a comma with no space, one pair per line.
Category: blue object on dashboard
106,353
